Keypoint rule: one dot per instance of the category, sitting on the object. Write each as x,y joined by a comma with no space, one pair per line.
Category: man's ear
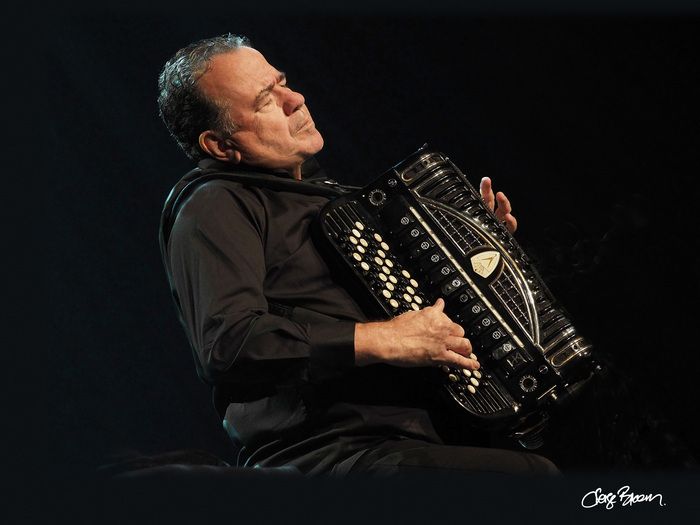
218,147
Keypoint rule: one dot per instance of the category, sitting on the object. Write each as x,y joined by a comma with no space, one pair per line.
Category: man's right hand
423,338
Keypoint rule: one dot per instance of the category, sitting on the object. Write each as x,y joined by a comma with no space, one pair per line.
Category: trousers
398,456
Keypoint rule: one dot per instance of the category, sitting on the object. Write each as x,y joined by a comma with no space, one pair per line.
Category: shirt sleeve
217,258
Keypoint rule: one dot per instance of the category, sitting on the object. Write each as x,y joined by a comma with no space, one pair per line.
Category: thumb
439,305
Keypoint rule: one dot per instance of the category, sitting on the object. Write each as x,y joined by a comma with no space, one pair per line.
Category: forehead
237,76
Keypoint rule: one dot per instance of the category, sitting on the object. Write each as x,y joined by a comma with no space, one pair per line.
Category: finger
511,223
456,330
460,345
439,305
459,361
487,192
503,203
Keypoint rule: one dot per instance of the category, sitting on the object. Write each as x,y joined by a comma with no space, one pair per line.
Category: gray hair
183,108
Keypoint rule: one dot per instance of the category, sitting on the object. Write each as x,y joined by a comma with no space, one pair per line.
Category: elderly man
300,376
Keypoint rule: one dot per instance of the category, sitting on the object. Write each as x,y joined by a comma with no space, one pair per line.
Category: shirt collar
310,169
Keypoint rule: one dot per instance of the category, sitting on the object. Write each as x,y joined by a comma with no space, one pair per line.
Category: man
300,377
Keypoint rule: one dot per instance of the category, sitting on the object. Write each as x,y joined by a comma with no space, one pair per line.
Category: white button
359,226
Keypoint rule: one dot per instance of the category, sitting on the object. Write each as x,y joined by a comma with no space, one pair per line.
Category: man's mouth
308,122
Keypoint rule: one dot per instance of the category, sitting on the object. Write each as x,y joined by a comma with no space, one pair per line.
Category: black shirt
289,387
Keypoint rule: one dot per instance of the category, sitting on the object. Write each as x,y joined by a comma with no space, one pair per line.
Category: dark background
588,121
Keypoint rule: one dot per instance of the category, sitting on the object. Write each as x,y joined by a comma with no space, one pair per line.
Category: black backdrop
589,123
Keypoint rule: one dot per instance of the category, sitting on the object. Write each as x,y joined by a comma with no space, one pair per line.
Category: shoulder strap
321,186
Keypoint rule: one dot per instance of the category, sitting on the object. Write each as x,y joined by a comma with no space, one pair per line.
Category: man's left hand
499,204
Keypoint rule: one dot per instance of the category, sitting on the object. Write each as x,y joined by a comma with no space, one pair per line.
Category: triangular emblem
484,263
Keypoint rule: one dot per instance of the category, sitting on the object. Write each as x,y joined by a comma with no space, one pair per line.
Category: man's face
275,128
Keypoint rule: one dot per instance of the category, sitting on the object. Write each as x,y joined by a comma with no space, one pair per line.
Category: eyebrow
281,76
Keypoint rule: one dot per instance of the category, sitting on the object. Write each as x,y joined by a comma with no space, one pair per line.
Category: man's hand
498,203
423,338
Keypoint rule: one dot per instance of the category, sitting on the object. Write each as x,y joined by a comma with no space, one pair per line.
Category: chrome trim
520,280
466,277
569,352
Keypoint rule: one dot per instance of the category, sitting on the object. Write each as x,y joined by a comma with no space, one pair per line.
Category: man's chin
321,143
316,143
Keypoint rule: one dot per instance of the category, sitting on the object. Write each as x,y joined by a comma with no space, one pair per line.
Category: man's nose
292,102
